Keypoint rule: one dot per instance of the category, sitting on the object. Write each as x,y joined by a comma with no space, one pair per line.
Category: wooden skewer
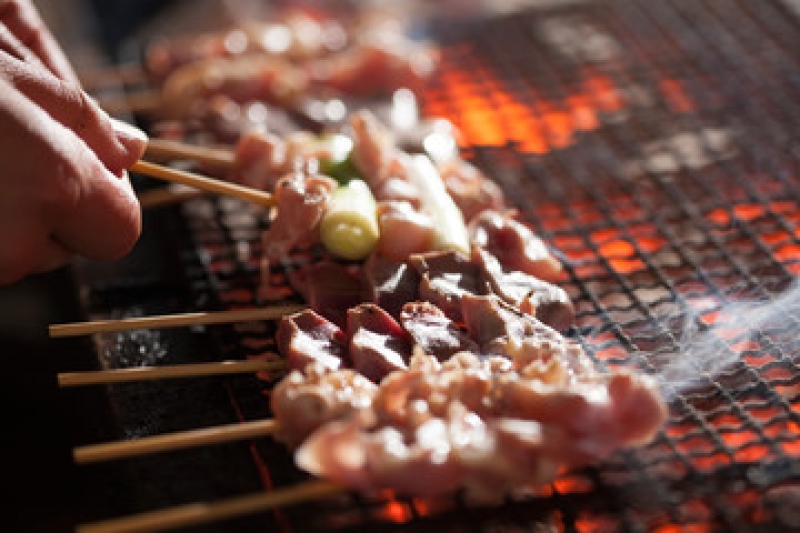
152,373
163,196
203,513
173,321
109,451
203,183
163,150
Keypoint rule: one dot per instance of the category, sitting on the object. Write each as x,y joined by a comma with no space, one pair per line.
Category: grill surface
655,145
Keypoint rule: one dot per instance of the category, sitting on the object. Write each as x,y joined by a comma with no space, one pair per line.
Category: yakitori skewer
109,451
204,183
194,514
154,373
174,321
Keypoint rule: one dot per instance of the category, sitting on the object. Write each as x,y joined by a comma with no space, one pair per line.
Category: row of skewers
508,380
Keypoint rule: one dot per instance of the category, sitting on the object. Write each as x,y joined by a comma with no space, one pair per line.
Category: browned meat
307,337
547,302
378,345
514,245
331,289
391,283
446,276
432,331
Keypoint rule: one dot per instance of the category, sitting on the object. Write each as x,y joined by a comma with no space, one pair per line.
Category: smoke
705,352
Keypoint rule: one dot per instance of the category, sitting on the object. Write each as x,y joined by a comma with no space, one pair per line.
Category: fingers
57,197
24,22
11,45
105,220
117,148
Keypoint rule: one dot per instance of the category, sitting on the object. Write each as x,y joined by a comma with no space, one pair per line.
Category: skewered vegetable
349,228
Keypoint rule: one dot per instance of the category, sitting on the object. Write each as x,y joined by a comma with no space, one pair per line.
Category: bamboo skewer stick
152,373
109,451
203,183
173,321
163,150
163,196
203,513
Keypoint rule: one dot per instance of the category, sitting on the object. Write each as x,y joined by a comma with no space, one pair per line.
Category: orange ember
625,266
572,485
749,212
686,528
676,96
395,511
752,454
489,113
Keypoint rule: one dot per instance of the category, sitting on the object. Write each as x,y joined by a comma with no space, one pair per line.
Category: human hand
63,185
26,37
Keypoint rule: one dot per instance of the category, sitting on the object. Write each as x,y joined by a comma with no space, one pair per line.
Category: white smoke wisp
704,354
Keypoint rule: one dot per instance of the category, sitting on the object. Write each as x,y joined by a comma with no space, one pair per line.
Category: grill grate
655,145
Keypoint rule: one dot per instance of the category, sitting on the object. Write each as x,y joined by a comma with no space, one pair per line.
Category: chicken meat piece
305,401
471,190
514,245
301,201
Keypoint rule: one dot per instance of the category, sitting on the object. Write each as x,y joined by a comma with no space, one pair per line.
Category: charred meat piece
501,329
546,301
514,245
432,331
391,283
446,276
306,337
331,289
378,345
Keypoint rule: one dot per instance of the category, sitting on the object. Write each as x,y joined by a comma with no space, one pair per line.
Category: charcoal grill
655,145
